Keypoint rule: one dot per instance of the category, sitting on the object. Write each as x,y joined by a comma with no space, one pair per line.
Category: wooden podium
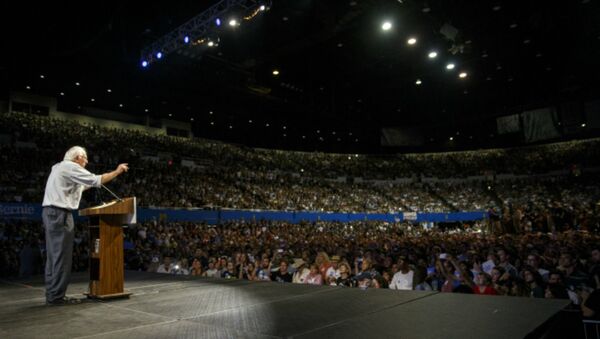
106,246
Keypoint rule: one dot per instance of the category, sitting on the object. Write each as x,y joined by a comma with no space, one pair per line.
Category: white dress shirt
66,183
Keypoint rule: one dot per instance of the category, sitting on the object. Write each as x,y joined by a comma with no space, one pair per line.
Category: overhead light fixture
42,76
233,23
411,41
144,63
28,87
418,82
262,7
450,66
109,90
211,44
386,26
583,125
62,94
462,75
432,54
159,55
275,72
120,105
77,84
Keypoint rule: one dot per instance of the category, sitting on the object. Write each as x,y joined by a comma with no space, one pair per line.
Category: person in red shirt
483,284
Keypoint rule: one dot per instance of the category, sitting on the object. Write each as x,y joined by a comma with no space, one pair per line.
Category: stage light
432,54
411,41
144,63
146,110
218,22
186,39
28,87
233,23
462,75
275,72
159,55
42,76
418,82
62,94
109,90
451,138
92,99
262,7
121,105
450,66
386,26
211,44
583,125
77,84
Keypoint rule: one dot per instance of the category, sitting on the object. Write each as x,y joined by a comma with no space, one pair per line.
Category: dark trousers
59,227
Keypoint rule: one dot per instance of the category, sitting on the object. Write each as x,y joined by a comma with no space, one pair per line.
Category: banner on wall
34,212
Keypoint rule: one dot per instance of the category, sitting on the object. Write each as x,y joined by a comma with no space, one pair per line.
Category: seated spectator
314,277
345,279
282,274
229,272
403,279
211,271
166,266
333,272
302,271
263,273
420,279
196,268
535,281
483,285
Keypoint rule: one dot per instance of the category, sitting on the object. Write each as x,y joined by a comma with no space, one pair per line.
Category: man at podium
66,183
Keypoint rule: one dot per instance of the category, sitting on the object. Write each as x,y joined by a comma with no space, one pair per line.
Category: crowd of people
399,256
540,241
206,174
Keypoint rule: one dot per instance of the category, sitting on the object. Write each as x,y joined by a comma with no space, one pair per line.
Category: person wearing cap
301,271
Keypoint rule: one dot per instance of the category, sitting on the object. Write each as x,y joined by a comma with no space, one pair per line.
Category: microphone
111,192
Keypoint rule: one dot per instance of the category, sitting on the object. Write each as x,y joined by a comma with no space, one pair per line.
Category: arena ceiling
341,76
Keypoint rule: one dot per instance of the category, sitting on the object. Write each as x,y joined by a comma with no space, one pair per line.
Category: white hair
74,152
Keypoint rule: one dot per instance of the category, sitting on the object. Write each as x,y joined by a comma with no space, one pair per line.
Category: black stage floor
166,306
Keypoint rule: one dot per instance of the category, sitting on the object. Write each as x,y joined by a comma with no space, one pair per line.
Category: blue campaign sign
34,212
20,211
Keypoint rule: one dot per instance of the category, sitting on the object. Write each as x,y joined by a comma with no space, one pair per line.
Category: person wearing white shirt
66,183
403,279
